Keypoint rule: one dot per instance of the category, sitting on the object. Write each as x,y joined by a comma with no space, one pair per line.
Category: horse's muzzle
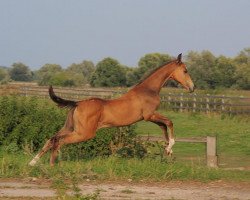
191,87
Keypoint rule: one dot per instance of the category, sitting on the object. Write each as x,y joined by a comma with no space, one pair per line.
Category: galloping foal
139,103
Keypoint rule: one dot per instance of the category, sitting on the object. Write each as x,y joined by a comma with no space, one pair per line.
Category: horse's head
181,75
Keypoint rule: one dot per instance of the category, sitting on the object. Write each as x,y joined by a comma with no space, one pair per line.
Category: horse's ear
179,58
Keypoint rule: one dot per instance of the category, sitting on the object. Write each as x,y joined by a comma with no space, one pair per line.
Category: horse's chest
152,102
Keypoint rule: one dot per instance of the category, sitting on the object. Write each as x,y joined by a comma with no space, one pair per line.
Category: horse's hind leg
52,142
45,148
73,137
48,145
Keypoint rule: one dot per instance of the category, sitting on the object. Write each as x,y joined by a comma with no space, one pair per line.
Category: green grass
233,135
113,168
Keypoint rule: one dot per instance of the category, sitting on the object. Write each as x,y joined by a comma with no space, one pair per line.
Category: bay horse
139,103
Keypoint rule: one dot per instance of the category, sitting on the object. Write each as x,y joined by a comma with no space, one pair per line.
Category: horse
85,117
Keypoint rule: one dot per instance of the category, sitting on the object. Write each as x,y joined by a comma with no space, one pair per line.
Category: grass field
232,132
114,168
188,162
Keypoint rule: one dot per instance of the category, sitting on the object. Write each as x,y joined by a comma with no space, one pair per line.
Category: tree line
207,71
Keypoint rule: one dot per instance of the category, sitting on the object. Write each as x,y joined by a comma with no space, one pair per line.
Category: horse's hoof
32,163
169,152
52,164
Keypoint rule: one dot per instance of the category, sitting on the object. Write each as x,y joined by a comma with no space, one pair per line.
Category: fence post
212,159
194,103
230,107
26,91
164,103
169,101
207,104
223,103
181,102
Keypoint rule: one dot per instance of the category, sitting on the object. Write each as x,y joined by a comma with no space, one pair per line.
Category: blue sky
37,32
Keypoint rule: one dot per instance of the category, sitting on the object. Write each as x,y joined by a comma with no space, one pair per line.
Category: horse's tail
62,103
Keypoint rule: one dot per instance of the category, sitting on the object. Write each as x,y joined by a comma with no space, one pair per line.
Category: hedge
30,121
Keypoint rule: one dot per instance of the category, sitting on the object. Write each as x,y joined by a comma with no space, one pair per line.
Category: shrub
121,141
29,121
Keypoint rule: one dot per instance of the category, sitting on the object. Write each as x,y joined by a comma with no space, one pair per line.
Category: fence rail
174,101
211,151
206,103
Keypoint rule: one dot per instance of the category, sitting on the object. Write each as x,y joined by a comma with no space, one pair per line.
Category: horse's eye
185,71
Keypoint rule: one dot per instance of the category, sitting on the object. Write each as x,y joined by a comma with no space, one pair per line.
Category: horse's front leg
164,129
164,122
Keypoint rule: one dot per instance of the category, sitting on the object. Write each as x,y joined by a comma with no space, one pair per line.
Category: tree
131,77
3,74
146,64
20,72
151,61
82,72
201,67
62,78
49,69
224,74
46,72
242,62
243,57
108,73
85,67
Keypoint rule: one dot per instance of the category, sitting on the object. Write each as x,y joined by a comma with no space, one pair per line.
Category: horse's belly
120,116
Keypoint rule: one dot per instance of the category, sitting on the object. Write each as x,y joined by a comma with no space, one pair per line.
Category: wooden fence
206,103
211,151
69,93
174,101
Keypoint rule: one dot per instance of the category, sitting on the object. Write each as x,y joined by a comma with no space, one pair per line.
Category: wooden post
212,160
207,104
169,101
215,108
181,102
222,103
194,103
163,103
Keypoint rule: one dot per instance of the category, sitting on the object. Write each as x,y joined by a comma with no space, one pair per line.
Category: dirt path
21,189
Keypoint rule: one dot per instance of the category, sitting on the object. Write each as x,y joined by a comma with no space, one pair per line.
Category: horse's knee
169,123
89,136
55,141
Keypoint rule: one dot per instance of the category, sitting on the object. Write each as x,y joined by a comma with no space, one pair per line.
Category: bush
107,142
31,121
28,121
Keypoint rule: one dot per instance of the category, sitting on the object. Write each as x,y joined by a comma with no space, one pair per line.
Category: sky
36,32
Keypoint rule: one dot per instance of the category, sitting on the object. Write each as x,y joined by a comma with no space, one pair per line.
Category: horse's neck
157,79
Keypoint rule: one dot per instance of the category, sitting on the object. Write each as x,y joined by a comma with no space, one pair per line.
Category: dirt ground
219,190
